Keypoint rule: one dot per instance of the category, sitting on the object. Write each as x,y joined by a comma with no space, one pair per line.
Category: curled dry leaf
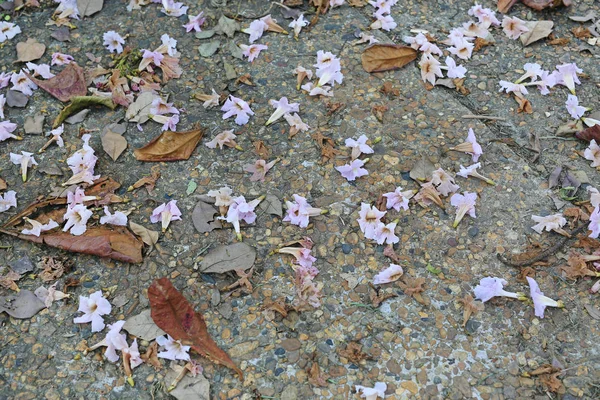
30,50
386,57
204,219
589,134
3,184
148,181
149,237
236,256
69,83
79,103
537,30
89,7
21,306
113,144
176,316
170,146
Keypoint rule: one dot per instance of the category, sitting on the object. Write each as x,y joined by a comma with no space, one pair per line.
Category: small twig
489,117
557,138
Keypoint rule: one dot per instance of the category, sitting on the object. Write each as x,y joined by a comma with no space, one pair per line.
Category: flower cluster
369,221
235,209
329,72
82,163
308,292
383,19
355,169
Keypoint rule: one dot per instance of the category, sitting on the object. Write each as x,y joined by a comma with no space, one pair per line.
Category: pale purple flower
93,308
78,197
112,341
5,79
195,23
240,210
484,15
298,24
465,204
369,219
359,146
8,200
174,349
82,163
492,287
160,107
317,90
50,295
398,199
462,48
594,225
42,70
222,196
61,59
225,138
471,170
546,81
532,71
168,46
149,57
372,393
239,108
430,68
592,153
165,213
453,70
296,122
430,48
516,88
385,233
302,73
259,169
169,123
36,227
8,30
118,218
444,182
282,107
336,3
6,130
514,27
77,218
353,170
390,274
470,146
566,75
173,9
415,41
575,110
364,38
302,255
328,69
22,83
2,103
549,223
211,100
299,211
594,196
113,42
56,136
385,22
255,30
540,302
25,160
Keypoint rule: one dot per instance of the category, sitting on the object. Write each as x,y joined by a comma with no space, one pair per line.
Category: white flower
359,146
22,83
42,70
282,107
592,153
385,22
372,393
37,228
113,42
430,68
173,9
118,218
255,30
222,196
169,45
77,218
514,27
8,200
462,48
25,160
8,30
174,349
298,24
575,110
549,223
93,307
454,71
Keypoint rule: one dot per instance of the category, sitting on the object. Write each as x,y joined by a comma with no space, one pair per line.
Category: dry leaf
537,30
260,149
471,307
422,170
390,253
594,312
271,205
8,281
21,306
78,103
53,268
378,296
353,352
3,184
148,181
480,43
149,237
151,356
204,219
69,83
524,105
236,256
34,125
279,305
379,110
505,5
89,7
113,144
30,50
143,327
170,146
176,316
139,110
16,99
316,377
540,5
559,41
589,134
388,89
386,57
188,387
62,34
581,32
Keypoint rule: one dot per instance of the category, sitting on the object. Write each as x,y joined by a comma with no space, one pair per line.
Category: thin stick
558,138
489,117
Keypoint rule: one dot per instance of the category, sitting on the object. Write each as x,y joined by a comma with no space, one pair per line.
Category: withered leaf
151,356
143,327
316,377
422,170
113,144
537,30
149,237
176,316
189,387
78,103
590,16
21,306
540,5
581,32
148,181
593,311
386,57
271,205
589,134
353,352
204,219
69,83
260,149
505,5
227,26
236,256
554,176
34,125
89,7
16,99
524,105
3,184
62,34
30,50
139,110
170,146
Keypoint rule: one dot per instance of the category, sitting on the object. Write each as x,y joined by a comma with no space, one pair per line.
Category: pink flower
472,171
165,213
491,287
5,79
195,23
398,199
575,110
252,51
464,204
462,48
173,9
149,57
160,107
485,15
299,211
549,223
169,123
113,42
430,68
259,169
225,138
592,153
118,218
514,27
385,233
77,218
302,255
36,227
6,129
594,225
78,197
296,123
566,75
61,59
240,210
470,146
82,163
453,70
42,70
2,103
540,302
175,350
444,182
239,108
93,308
22,83
353,170
473,29
359,146
25,160
428,194
390,274
56,136
8,200
255,30
372,393
112,341
369,219
282,107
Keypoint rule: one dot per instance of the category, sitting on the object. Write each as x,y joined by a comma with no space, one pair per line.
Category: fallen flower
150,57
195,22
173,9
385,233
25,160
61,59
282,107
160,107
594,225
225,138
592,153
385,22
56,137
78,197
77,218
532,71
174,349
118,218
492,287
444,182
353,170
299,211
240,210
5,79
272,25
22,83
252,51
8,30
42,70
540,302
464,203
259,169
317,90
302,254
165,213
169,123
6,131
302,73
82,163
514,27
222,196
237,107
550,223
594,196
210,100
470,146
372,393
364,38
398,199
566,75
471,170
298,24
369,219
462,48
113,42
50,295
8,200
255,30
359,146
575,110
473,29
390,274
428,194
93,308
37,228
430,68
2,103
454,71
485,15
296,124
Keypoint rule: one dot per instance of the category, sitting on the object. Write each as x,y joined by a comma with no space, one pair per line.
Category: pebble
473,231
452,242
280,351
346,248
472,326
291,344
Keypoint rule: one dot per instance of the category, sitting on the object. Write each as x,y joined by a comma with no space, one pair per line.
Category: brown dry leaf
8,281
377,296
170,146
149,237
386,57
552,382
225,258
587,244
422,170
328,152
316,377
54,268
176,316
537,30
524,105
148,181
279,305
379,110
414,287
69,82
353,352
357,3
577,267
589,134
540,5
388,89
505,5
581,32
3,184
261,149
246,79
576,213
30,50
151,356
391,254
471,307
113,144
89,7
480,43
332,108
460,86
118,86
559,41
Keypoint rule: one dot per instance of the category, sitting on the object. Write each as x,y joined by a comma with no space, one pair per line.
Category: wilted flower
369,219
359,146
252,51
210,100
174,349
296,123
118,218
302,73
464,203
462,48
282,107
549,223
255,30
575,110
299,211
492,287
240,210
36,227
25,160
93,308
113,42
225,138
452,70
430,68
364,38
353,170
444,182
239,108
6,129
514,27
540,302
302,254
195,23
56,137
165,213
566,75
8,30
50,295
8,200
470,146
173,9
472,171
390,274
150,57
259,169
61,59
428,194
372,393
385,233
592,153
398,199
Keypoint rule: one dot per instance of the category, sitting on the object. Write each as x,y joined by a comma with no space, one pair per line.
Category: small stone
473,231
280,351
290,392
279,371
346,248
452,242
472,326
291,344
410,386
242,348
